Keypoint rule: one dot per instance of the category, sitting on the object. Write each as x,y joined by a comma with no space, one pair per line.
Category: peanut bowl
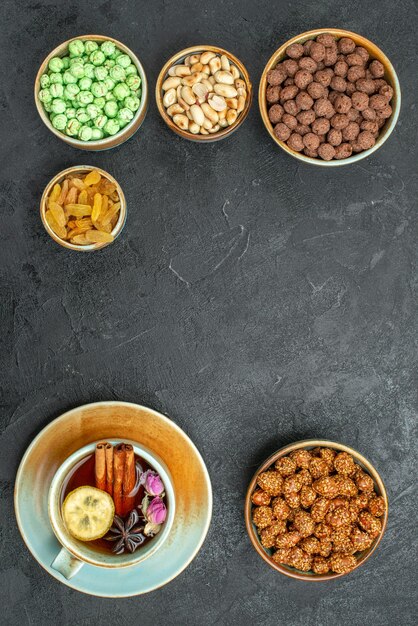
187,114
79,171
132,119
353,153
368,503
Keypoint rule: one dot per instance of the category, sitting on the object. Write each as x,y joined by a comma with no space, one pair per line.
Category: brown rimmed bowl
82,170
178,59
107,142
375,52
309,444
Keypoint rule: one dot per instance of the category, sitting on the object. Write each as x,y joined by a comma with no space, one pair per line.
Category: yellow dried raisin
97,206
92,178
98,236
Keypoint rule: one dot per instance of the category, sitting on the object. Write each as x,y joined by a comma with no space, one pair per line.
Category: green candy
121,91
56,90
110,83
76,48
131,70
89,70
81,116
68,78
56,79
45,96
70,113
111,109
56,64
109,63
77,70
45,81
109,96
97,57
59,121
71,91
117,73
58,106
100,73
84,97
73,127
75,60
134,82
100,121
90,46
100,102
111,127
66,62
85,133
123,60
47,107
108,48
85,83
96,134
132,103
124,116
92,111
99,90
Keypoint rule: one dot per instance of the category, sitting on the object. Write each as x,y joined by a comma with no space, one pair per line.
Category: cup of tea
137,490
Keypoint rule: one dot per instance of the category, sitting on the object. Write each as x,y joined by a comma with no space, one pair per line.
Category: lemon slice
88,513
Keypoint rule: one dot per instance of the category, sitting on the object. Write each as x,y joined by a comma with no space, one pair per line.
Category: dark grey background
253,299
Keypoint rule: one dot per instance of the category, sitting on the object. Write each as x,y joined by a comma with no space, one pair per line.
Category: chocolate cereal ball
321,126
386,91
313,154
351,131
334,137
288,93
290,121
276,113
346,45
291,107
339,121
385,113
350,89
326,40
288,81
366,140
316,90
302,129
303,78
354,59
338,83
326,151
306,117
311,141
341,68
290,66
330,56
324,108
369,114
371,126
363,53
324,77
273,94
377,69
308,64
356,72
366,85
294,51
360,100
342,103
317,51
295,142
304,100
276,77
377,101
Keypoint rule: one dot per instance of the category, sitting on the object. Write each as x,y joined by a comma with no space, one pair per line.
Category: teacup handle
66,564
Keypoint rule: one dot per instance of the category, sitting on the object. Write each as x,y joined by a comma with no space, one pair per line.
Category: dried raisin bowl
82,170
279,457
375,54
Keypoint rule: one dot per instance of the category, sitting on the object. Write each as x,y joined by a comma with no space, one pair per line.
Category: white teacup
74,553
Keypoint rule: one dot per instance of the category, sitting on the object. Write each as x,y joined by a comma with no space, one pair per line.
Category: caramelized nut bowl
185,58
375,54
327,537
78,171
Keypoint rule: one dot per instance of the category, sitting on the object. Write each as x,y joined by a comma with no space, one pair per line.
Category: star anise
126,533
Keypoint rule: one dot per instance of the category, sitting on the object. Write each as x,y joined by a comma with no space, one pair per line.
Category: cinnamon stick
129,479
109,468
100,466
118,471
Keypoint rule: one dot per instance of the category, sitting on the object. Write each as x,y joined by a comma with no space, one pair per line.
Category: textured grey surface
251,298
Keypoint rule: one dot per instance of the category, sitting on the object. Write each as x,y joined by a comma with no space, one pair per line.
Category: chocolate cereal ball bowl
316,510
87,96
335,100
203,93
